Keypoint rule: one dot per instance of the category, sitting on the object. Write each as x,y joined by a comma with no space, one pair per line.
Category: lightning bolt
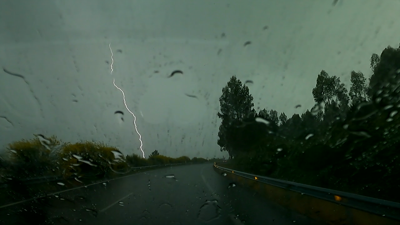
123,97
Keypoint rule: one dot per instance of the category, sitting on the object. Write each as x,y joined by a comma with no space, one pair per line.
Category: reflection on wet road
190,194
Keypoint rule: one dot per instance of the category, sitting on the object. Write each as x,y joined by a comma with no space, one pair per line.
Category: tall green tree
374,61
154,153
273,114
309,122
236,104
384,69
264,114
283,118
358,89
292,128
330,91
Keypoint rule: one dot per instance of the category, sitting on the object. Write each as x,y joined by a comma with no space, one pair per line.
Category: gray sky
61,48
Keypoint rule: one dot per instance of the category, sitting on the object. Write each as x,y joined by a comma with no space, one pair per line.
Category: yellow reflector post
233,171
255,178
338,198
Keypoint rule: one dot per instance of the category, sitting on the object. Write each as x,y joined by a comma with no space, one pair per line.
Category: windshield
147,112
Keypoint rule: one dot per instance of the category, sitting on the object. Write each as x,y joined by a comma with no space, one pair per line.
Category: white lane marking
15,203
115,203
208,185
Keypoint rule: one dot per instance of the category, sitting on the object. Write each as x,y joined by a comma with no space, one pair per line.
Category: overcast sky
61,50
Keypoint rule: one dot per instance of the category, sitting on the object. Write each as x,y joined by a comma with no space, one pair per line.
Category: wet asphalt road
189,194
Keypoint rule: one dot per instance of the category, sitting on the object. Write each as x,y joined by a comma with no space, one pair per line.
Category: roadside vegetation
348,141
40,165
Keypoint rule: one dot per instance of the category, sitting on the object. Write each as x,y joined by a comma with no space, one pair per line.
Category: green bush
199,160
90,159
29,158
159,160
136,161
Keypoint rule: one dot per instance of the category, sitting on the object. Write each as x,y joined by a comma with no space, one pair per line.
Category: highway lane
189,194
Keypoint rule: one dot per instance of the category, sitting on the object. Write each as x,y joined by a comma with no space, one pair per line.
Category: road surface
189,194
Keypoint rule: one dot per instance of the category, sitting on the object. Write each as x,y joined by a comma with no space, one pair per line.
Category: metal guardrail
34,180
372,205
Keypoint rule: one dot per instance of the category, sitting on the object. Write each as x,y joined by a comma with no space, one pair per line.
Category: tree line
349,140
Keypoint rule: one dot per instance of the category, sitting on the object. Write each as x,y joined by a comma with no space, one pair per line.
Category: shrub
90,159
30,158
136,161
198,160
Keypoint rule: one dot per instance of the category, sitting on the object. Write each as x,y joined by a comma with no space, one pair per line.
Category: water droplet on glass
117,155
209,211
361,134
77,156
345,126
231,185
121,203
261,120
279,149
105,184
309,136
224,174
393,113
43,140
316,109
60,183
388,107
94,212
170,176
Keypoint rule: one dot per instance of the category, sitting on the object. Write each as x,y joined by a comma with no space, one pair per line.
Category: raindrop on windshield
309,136
232,185
77,157
209,211
94,212
170,176
261,120
393,113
